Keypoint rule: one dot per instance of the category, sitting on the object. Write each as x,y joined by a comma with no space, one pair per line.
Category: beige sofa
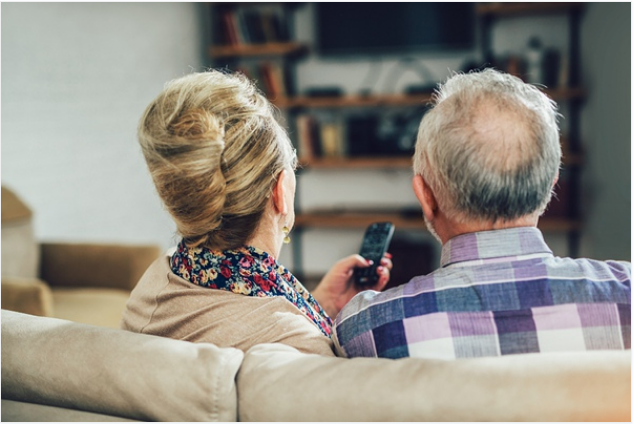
57,370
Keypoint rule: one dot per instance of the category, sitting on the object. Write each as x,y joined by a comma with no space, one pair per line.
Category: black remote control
374,245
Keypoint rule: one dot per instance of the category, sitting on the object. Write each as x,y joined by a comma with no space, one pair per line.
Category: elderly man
487,158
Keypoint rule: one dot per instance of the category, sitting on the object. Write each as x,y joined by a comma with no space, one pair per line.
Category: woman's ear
425,197
280,195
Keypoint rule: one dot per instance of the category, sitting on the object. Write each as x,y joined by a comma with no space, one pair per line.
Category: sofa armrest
27,295
95,265
108,371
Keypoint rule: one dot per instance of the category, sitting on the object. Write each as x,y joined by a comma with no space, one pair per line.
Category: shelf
558,94
357,162
524,9
357,220
572,159
257,50
568,159
354,101
406,221
565,93
401,162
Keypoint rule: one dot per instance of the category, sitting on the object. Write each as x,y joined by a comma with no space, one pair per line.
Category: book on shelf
320,139
251,26
307,143
230,35
268,76
273,80
333,142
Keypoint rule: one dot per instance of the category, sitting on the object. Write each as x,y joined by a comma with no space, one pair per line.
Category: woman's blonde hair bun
214,150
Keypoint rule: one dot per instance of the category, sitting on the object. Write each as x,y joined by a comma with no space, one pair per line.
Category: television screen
393,28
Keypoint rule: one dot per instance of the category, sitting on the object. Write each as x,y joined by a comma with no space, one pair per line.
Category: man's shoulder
594,269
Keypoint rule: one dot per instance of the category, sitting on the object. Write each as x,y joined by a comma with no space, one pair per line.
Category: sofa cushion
115,372
103,307
14,411
278,383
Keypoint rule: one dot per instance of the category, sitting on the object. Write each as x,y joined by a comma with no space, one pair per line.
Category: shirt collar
507,244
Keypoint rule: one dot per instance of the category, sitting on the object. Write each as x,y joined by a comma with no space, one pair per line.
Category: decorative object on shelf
534,58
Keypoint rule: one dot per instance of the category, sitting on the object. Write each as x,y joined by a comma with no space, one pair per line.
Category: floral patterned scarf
247,271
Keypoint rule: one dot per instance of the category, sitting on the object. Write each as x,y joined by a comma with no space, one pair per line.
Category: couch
83,282
58,370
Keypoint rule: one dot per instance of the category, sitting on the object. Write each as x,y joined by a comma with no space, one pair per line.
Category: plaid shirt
496,293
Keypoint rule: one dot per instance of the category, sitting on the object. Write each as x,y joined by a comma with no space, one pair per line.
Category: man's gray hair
489,148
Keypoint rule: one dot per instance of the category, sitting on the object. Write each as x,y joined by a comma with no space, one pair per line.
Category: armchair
83,282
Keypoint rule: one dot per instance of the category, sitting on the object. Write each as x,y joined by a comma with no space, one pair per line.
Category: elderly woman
224,168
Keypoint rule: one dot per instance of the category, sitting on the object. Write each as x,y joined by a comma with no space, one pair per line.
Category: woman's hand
338,286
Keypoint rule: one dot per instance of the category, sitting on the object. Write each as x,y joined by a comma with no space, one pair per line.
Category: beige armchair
81,282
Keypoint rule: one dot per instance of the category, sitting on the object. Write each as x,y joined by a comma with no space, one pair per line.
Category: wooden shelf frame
402,221
392,162
354,101
350,101
379,162
258,50
525,9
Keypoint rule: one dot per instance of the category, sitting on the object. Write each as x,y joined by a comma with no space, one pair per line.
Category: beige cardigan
165,304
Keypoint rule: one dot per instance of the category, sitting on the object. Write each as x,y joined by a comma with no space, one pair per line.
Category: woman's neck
267,238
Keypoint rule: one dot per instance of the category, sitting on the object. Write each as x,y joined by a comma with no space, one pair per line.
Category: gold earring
286,230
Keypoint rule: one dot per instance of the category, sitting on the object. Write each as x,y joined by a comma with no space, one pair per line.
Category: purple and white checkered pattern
497,293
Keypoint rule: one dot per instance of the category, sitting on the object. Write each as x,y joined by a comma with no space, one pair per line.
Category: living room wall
77,76
607,125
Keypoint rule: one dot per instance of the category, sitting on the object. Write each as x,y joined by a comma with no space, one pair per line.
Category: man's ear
425,197
279,193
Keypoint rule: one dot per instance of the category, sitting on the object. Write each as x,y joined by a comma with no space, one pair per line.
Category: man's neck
448,229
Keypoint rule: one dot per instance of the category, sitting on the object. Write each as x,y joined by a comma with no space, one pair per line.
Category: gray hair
489,148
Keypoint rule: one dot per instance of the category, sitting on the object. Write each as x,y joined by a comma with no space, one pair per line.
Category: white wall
607,189
76,78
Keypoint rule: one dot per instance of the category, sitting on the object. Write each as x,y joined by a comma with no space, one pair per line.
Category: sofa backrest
115,372
278,383
60,363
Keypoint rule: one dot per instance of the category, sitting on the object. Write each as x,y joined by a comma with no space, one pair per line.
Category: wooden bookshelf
284,55
402,221
525,9
258,50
